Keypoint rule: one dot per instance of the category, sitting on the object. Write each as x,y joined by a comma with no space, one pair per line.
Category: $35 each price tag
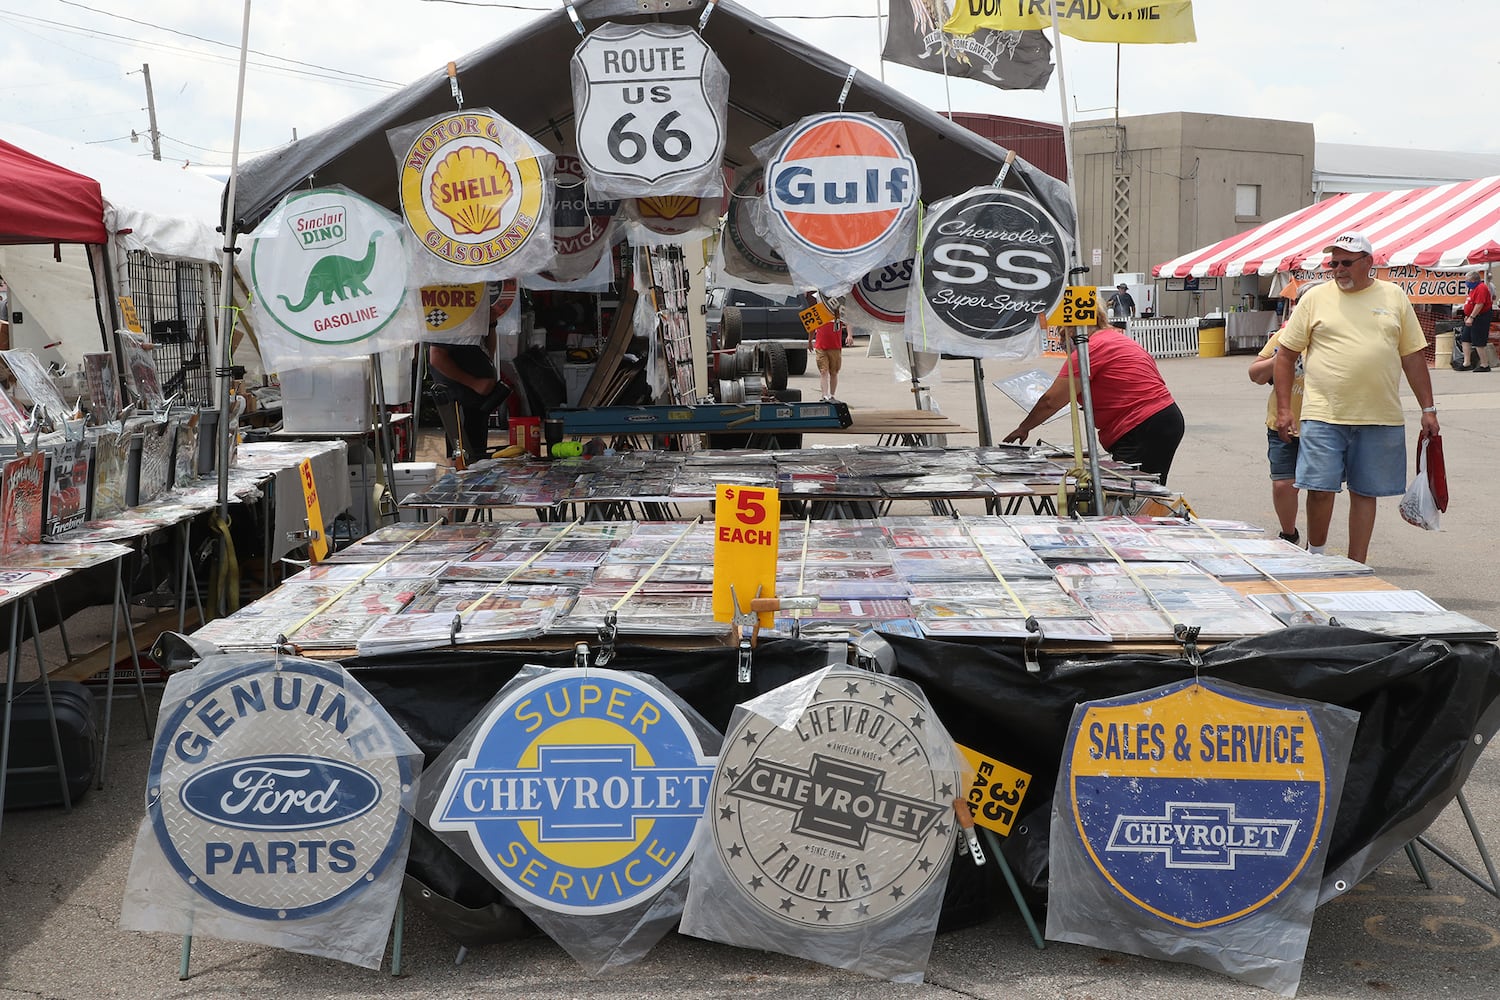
996,792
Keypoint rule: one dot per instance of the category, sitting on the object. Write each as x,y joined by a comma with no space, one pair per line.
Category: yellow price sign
1079,307
997,791
815,316
317,546
747,536
128,314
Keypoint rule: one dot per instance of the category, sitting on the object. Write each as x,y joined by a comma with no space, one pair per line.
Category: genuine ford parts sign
278,805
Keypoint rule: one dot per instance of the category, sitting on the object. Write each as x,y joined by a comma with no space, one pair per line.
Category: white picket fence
1166,338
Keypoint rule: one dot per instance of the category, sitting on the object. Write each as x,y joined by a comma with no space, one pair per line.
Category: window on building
1247,201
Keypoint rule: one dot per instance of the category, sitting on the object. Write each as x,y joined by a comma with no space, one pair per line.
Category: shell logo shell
841,183
470,187
467,193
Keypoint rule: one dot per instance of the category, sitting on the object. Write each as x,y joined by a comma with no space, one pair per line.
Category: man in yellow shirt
1356,336
1281,455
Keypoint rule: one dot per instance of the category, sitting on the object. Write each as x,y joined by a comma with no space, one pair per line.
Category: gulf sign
1200,805
841,183
581,791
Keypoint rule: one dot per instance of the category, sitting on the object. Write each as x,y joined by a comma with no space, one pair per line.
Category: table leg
41,667
12,662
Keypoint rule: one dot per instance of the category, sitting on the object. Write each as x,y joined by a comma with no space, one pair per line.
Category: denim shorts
1370,457
1282,455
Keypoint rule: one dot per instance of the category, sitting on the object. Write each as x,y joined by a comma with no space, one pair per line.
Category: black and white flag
1010,60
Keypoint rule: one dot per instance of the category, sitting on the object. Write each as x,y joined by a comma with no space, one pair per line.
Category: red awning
41,202
1435,228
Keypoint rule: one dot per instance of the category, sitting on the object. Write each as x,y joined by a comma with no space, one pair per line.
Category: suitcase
31,745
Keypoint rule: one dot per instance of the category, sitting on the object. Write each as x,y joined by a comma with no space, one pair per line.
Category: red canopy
41,202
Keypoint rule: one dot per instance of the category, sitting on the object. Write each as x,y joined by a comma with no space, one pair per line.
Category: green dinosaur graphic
335,275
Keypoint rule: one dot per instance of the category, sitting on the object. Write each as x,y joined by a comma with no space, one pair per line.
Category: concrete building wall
1180,174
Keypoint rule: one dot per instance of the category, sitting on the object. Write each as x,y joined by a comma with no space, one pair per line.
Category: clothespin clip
966,824
607,633
848,83
581,655
1010,157
708,10
454,627
458,95
573,15
1032,646
1187,635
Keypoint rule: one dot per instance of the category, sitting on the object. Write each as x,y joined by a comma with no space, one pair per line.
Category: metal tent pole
1081,335
226,294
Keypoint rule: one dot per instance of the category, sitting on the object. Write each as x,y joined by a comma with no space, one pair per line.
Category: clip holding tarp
581,655
1032,645
1187,636
848,84
708,12
607,633
454,627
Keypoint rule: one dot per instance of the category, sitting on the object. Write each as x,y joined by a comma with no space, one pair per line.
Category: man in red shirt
827,344
1136,418
1478,312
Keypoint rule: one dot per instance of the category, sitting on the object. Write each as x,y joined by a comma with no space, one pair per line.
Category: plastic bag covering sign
1198,810
747,533
275,810
992,262
842,191
328,271
455,314
651,102
475,192
747,252
832,825
582,224
578,793
881,294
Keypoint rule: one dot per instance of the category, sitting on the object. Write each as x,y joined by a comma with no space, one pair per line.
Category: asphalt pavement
62,875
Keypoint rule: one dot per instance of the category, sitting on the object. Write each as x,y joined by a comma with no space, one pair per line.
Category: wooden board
882,422
620,333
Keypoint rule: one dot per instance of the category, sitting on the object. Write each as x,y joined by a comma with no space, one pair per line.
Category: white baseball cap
1352,242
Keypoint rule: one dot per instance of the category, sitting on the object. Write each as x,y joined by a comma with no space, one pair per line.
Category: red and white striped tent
1435,228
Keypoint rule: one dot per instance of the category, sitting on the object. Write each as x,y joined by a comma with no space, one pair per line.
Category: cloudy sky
1373,72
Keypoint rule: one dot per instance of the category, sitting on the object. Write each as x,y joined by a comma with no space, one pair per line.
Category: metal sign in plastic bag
832,826
842,192
652,102
276,810
578,794
991,263
476,193
1191,824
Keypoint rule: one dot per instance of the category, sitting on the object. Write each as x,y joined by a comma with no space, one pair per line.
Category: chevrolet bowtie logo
836,801
1201,835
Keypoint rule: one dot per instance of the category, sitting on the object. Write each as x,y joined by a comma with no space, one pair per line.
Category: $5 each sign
651,102
747,537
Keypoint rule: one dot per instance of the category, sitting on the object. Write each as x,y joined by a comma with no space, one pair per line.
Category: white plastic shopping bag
1418,505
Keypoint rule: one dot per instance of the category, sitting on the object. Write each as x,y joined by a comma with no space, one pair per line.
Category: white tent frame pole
226,293
1081,337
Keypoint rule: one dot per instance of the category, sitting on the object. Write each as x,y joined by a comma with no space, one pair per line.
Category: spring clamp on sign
747,621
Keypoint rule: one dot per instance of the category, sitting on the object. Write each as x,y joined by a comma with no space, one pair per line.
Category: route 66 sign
651,103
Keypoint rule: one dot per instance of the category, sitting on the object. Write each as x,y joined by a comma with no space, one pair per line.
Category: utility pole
151,110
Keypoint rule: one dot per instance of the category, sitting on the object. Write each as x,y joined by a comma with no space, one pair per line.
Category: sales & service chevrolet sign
1198,804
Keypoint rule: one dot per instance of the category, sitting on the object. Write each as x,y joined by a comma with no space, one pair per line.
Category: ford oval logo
288,792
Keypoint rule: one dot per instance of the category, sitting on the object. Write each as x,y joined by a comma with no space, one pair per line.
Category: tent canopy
41,202
1436,228
775,79
152,206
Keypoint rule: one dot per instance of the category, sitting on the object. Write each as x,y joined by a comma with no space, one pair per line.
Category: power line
214,41
337,76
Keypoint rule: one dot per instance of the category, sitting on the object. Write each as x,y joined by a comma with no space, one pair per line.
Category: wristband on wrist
1429,409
